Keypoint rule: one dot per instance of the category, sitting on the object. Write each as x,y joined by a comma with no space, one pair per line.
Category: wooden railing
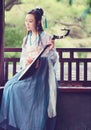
77,69
73,70
10,61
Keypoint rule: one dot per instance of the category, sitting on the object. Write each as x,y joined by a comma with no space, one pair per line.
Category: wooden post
1,42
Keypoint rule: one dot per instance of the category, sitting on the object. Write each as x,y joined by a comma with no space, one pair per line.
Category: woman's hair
38,13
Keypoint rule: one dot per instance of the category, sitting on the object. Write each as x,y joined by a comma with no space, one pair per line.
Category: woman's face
30,22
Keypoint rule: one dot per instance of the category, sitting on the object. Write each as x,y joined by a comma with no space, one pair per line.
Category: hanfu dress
27,103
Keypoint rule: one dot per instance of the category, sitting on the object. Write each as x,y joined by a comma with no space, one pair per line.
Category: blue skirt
25,102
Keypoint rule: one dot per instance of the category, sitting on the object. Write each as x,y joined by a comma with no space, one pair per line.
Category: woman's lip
28,28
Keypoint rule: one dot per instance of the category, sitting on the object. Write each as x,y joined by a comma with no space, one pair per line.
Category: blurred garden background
72,14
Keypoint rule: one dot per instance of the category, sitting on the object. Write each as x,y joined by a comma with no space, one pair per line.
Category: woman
26,104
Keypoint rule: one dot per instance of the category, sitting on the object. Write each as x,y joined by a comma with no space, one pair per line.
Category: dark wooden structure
1,41
78,70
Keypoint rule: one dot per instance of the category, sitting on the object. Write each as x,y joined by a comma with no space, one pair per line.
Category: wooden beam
1,42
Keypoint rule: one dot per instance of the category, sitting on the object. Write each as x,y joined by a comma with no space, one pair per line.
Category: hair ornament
45,23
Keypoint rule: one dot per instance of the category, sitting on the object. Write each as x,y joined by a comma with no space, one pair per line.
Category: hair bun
40,10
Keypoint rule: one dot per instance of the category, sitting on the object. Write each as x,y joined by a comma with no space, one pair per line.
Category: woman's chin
28,29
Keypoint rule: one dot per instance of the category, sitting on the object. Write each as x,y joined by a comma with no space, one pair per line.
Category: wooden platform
73,108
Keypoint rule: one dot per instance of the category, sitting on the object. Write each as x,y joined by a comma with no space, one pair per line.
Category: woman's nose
27,23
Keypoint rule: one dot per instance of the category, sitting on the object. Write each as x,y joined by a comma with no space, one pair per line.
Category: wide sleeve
51,54
23,56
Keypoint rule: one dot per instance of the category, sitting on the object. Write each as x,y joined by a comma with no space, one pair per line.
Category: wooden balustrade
76,69
73,70
10,61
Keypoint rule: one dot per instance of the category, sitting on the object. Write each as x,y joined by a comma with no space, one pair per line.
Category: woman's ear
39,22
38,25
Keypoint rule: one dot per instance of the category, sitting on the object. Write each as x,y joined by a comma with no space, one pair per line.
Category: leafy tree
70,2
89,3
10,3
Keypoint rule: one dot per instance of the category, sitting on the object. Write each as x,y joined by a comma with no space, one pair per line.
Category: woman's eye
30,21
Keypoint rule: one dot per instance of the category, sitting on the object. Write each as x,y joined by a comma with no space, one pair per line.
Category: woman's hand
32,53
52,44
29,60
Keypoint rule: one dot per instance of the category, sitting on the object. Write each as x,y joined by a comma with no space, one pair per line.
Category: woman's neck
34,33
34,37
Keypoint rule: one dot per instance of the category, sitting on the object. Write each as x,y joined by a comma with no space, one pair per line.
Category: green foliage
89,2
13,37
58,13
